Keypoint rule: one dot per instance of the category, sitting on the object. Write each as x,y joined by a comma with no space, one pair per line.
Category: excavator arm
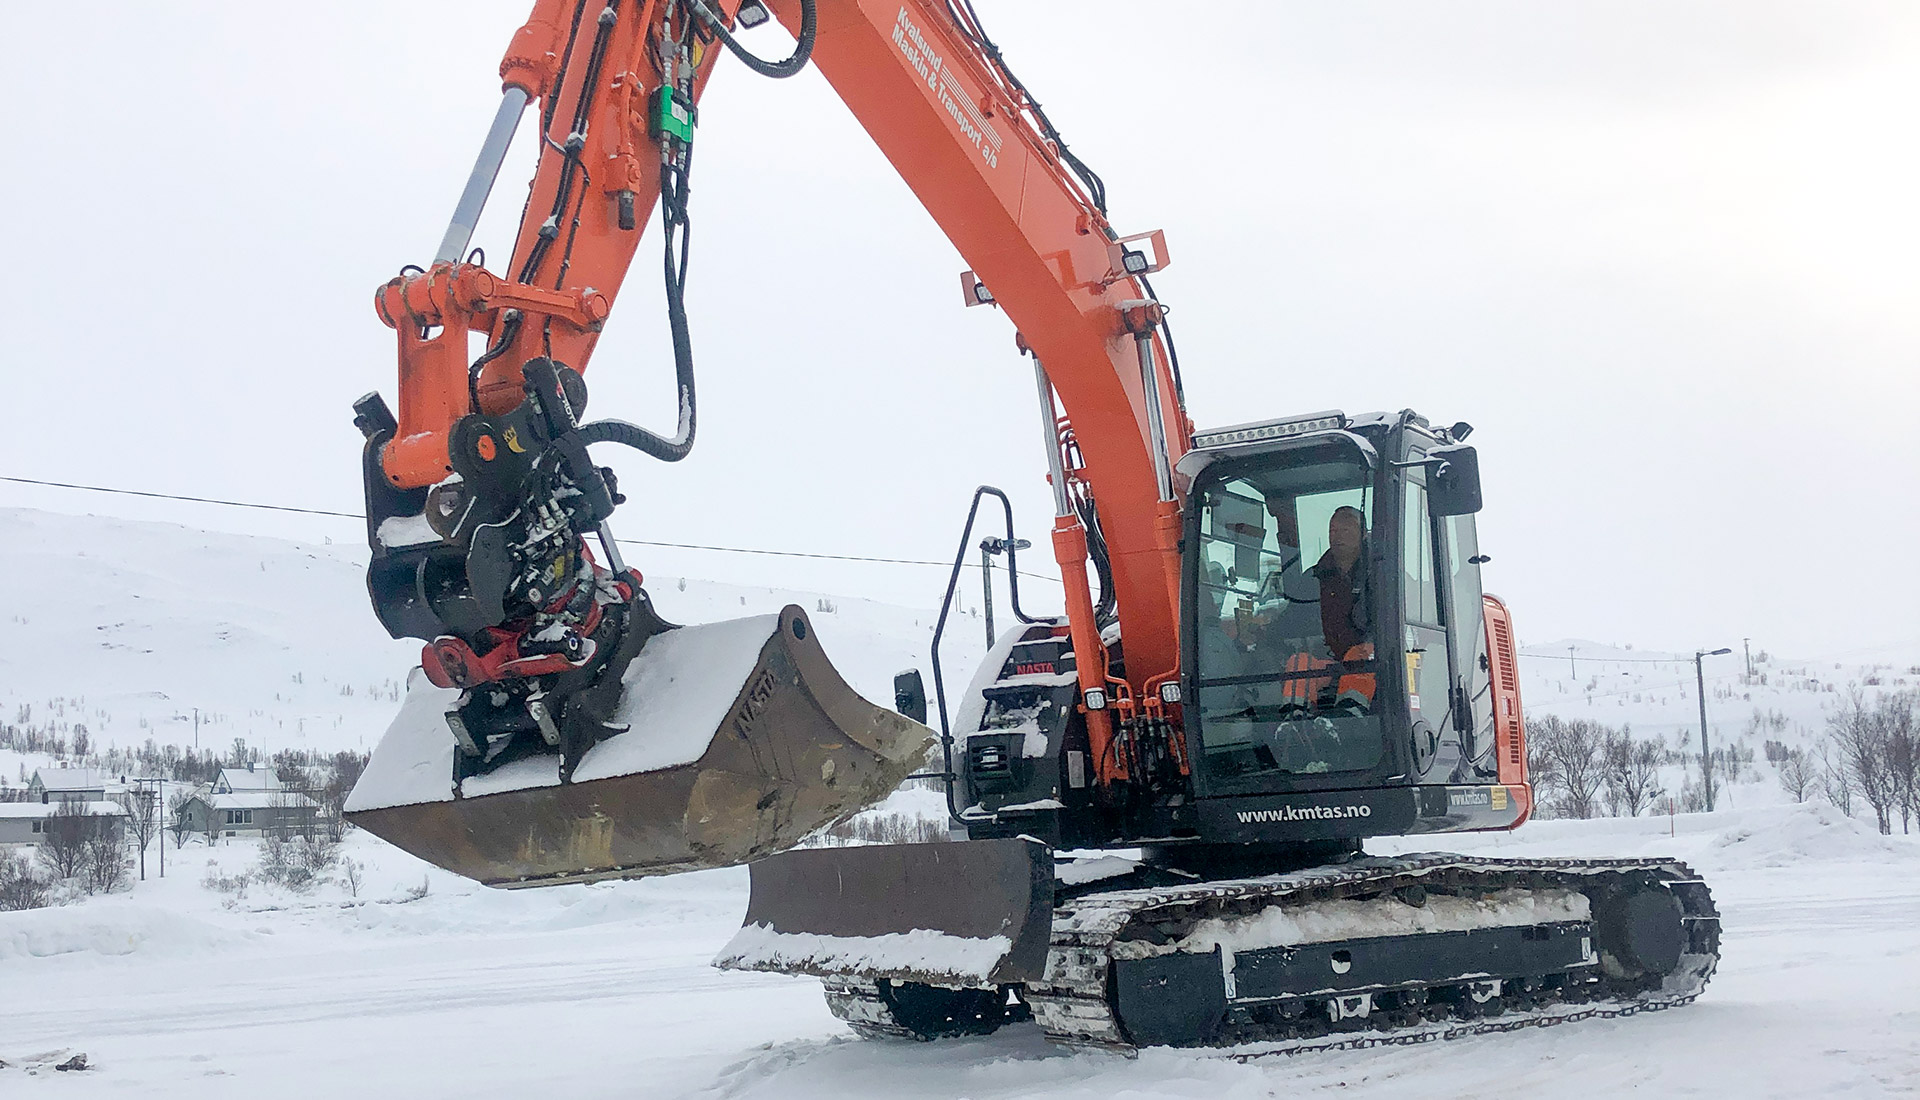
485,506
977,150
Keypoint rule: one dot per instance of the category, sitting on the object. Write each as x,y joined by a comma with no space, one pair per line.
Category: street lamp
1706,756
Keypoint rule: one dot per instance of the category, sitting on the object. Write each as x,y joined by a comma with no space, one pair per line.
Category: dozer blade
971,913
741,739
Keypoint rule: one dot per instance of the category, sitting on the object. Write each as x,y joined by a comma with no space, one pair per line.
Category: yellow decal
513,441
1499,798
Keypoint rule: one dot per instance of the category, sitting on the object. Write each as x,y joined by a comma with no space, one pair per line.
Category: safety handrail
946,606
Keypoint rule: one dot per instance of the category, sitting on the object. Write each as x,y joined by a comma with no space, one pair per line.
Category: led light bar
1271,429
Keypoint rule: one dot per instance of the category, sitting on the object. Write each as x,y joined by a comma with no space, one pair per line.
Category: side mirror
910,695
1453,480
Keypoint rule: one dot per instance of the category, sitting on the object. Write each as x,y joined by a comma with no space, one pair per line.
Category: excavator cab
1336,643
1338,663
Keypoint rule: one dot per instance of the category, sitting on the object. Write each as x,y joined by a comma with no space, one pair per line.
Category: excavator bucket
977,913
740,740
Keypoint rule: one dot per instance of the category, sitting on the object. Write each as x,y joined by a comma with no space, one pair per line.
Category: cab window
1284,621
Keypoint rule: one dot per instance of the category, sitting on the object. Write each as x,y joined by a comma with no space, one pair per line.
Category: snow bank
110,927
1779,835
1807,832
922,952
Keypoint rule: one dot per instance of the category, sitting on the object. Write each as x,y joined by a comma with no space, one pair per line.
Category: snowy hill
1785,699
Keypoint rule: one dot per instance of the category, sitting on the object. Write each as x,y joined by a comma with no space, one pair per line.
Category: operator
1346,605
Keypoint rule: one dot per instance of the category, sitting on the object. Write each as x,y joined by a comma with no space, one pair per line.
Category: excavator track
882,1009
1081,1001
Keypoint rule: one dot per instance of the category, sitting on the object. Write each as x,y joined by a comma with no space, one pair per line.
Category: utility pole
196,729
986,583
1746,646
989,547
148,791
1706,754
1572,670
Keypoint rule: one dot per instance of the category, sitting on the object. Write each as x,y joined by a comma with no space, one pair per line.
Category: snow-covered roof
76,779
245,779
258,800
28,811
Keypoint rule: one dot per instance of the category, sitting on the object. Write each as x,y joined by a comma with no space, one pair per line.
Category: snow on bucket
741,739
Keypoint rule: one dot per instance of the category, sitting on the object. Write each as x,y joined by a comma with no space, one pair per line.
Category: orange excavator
1275,644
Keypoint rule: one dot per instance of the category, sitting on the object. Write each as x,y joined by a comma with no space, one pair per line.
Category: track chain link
1074,1008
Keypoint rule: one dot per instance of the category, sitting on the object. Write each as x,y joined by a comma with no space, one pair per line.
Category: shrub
20,888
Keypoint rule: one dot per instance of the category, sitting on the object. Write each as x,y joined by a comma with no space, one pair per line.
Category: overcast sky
1663,256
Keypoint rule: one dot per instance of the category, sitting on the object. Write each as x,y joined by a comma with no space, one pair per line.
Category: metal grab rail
947,774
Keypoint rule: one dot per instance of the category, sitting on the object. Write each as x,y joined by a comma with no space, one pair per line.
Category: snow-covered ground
176,989
606,990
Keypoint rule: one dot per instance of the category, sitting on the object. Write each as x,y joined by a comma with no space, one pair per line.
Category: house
249,813
249,778
50,785
26,822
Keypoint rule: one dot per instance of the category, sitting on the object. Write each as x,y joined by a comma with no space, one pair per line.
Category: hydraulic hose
633,435
779,70
673,195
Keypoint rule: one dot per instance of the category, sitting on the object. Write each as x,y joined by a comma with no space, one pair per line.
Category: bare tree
20,888
1835,781
1861,739
1901,743
297,862
1573,751
1542,769
343,771
107,859
144,819
177,815
1632,772
1798,775
63,844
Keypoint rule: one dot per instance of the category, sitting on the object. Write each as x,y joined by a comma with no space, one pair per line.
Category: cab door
1465,609
1429,661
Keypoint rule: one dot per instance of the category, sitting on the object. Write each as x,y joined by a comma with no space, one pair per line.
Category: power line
256,505
1615,660
176,496
1676,685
